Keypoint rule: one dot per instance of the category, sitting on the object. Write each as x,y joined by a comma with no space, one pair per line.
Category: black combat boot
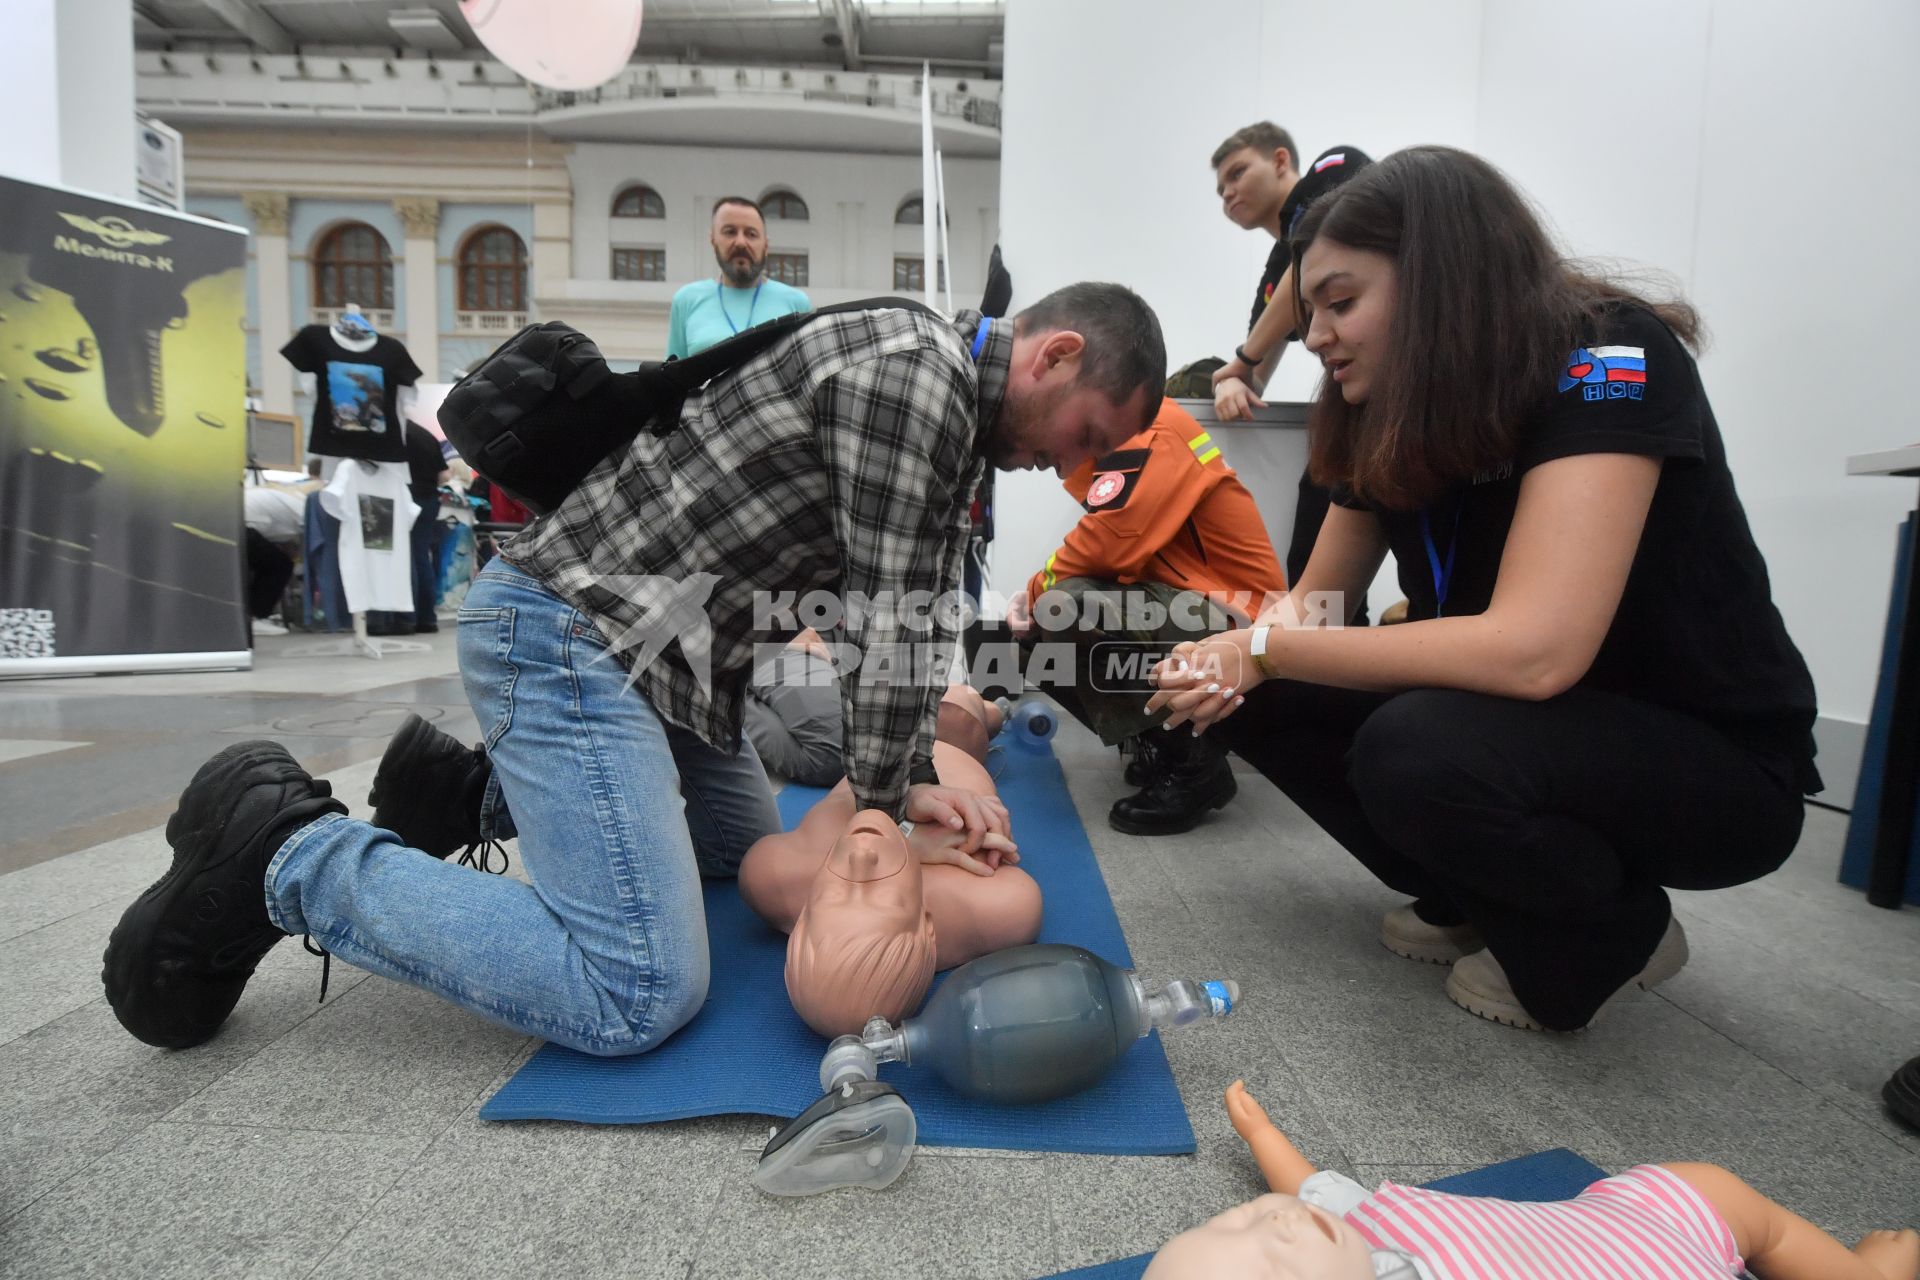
428,792
1194,777
1143,758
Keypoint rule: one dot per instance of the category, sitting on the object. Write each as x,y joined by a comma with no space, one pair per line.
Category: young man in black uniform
1261,185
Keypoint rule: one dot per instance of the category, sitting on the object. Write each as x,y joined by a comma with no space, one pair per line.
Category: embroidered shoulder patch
1606,373
1106,486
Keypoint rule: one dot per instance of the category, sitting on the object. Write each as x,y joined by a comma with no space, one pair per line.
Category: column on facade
552,250
420,215
855,263
268,210
683,268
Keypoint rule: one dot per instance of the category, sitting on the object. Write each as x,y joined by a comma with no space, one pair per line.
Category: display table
1892,817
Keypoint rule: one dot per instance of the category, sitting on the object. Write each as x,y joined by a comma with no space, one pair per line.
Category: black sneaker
1195,777
181,955
1902,1093
428,792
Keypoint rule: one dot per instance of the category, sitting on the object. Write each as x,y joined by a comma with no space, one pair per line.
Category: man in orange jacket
1171,548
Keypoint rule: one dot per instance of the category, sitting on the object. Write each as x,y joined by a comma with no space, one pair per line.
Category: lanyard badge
1442,570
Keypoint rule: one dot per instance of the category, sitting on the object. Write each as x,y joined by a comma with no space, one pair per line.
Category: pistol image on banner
127,323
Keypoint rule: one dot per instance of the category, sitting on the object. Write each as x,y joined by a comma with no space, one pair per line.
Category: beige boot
1404,933
1479,985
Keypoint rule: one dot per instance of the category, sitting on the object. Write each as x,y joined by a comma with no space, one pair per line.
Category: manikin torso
968,914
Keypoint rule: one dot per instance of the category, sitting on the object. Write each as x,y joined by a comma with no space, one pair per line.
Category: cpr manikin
863,945
870,914
1013,1024
1670,1220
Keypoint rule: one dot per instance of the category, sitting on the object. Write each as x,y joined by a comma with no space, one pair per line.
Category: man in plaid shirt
605,652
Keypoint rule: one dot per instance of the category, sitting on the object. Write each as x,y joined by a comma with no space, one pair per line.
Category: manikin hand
1276,1237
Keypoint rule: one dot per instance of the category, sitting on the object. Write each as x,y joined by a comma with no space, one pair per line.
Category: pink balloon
562,44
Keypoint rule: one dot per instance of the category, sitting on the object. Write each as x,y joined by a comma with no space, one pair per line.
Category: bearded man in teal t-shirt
713,310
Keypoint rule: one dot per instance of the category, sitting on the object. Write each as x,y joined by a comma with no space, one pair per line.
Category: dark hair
1124,353
741,200
1486,309
1266,137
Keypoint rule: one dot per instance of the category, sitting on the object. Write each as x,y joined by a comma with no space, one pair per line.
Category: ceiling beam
262,31
849,23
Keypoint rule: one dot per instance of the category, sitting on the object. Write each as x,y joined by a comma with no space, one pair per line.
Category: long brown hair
1486,310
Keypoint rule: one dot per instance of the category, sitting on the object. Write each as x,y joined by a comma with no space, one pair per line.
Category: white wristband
906,828
1258,648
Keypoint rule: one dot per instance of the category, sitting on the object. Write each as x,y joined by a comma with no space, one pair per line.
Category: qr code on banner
26,633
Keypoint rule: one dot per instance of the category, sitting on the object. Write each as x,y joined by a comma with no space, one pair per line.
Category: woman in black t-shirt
1595,698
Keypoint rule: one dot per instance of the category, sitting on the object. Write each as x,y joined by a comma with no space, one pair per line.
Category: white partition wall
1102,126
1751,149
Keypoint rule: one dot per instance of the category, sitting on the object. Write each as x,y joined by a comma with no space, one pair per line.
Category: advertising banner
122,436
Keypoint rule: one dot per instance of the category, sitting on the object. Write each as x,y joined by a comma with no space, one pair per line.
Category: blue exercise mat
1558,1174
749,1052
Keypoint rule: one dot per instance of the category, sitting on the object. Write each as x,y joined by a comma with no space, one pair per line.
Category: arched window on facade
352,263
492,270
783,206
639,201
911,212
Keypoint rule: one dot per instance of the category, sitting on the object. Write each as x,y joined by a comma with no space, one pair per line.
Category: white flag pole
946,253
929,182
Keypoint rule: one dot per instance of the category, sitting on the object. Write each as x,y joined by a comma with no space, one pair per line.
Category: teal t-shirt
706,312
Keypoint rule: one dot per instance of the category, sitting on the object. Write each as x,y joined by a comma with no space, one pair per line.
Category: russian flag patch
1606,373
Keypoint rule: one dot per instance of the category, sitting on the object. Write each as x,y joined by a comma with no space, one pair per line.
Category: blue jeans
618,813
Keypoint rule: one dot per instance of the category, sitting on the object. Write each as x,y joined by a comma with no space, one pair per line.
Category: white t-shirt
375,511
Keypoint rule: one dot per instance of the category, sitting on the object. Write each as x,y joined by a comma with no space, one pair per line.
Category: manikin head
1277,1237
739,238
863,944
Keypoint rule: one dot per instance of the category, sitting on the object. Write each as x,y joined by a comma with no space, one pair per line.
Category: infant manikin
881,914
1653,1222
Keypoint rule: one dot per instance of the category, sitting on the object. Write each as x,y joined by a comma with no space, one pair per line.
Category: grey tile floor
342,1139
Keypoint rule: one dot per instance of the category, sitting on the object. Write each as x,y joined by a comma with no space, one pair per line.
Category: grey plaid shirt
844,459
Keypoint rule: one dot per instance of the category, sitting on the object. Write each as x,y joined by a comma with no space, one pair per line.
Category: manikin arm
1280,1163
1779,1244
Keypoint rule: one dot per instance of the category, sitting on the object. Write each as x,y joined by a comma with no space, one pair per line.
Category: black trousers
1554,828
426,575
268,570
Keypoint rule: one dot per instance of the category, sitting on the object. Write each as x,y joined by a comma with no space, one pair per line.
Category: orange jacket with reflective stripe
1165,507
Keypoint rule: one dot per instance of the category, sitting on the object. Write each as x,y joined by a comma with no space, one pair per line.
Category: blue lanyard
721,297
1442,573
980,337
